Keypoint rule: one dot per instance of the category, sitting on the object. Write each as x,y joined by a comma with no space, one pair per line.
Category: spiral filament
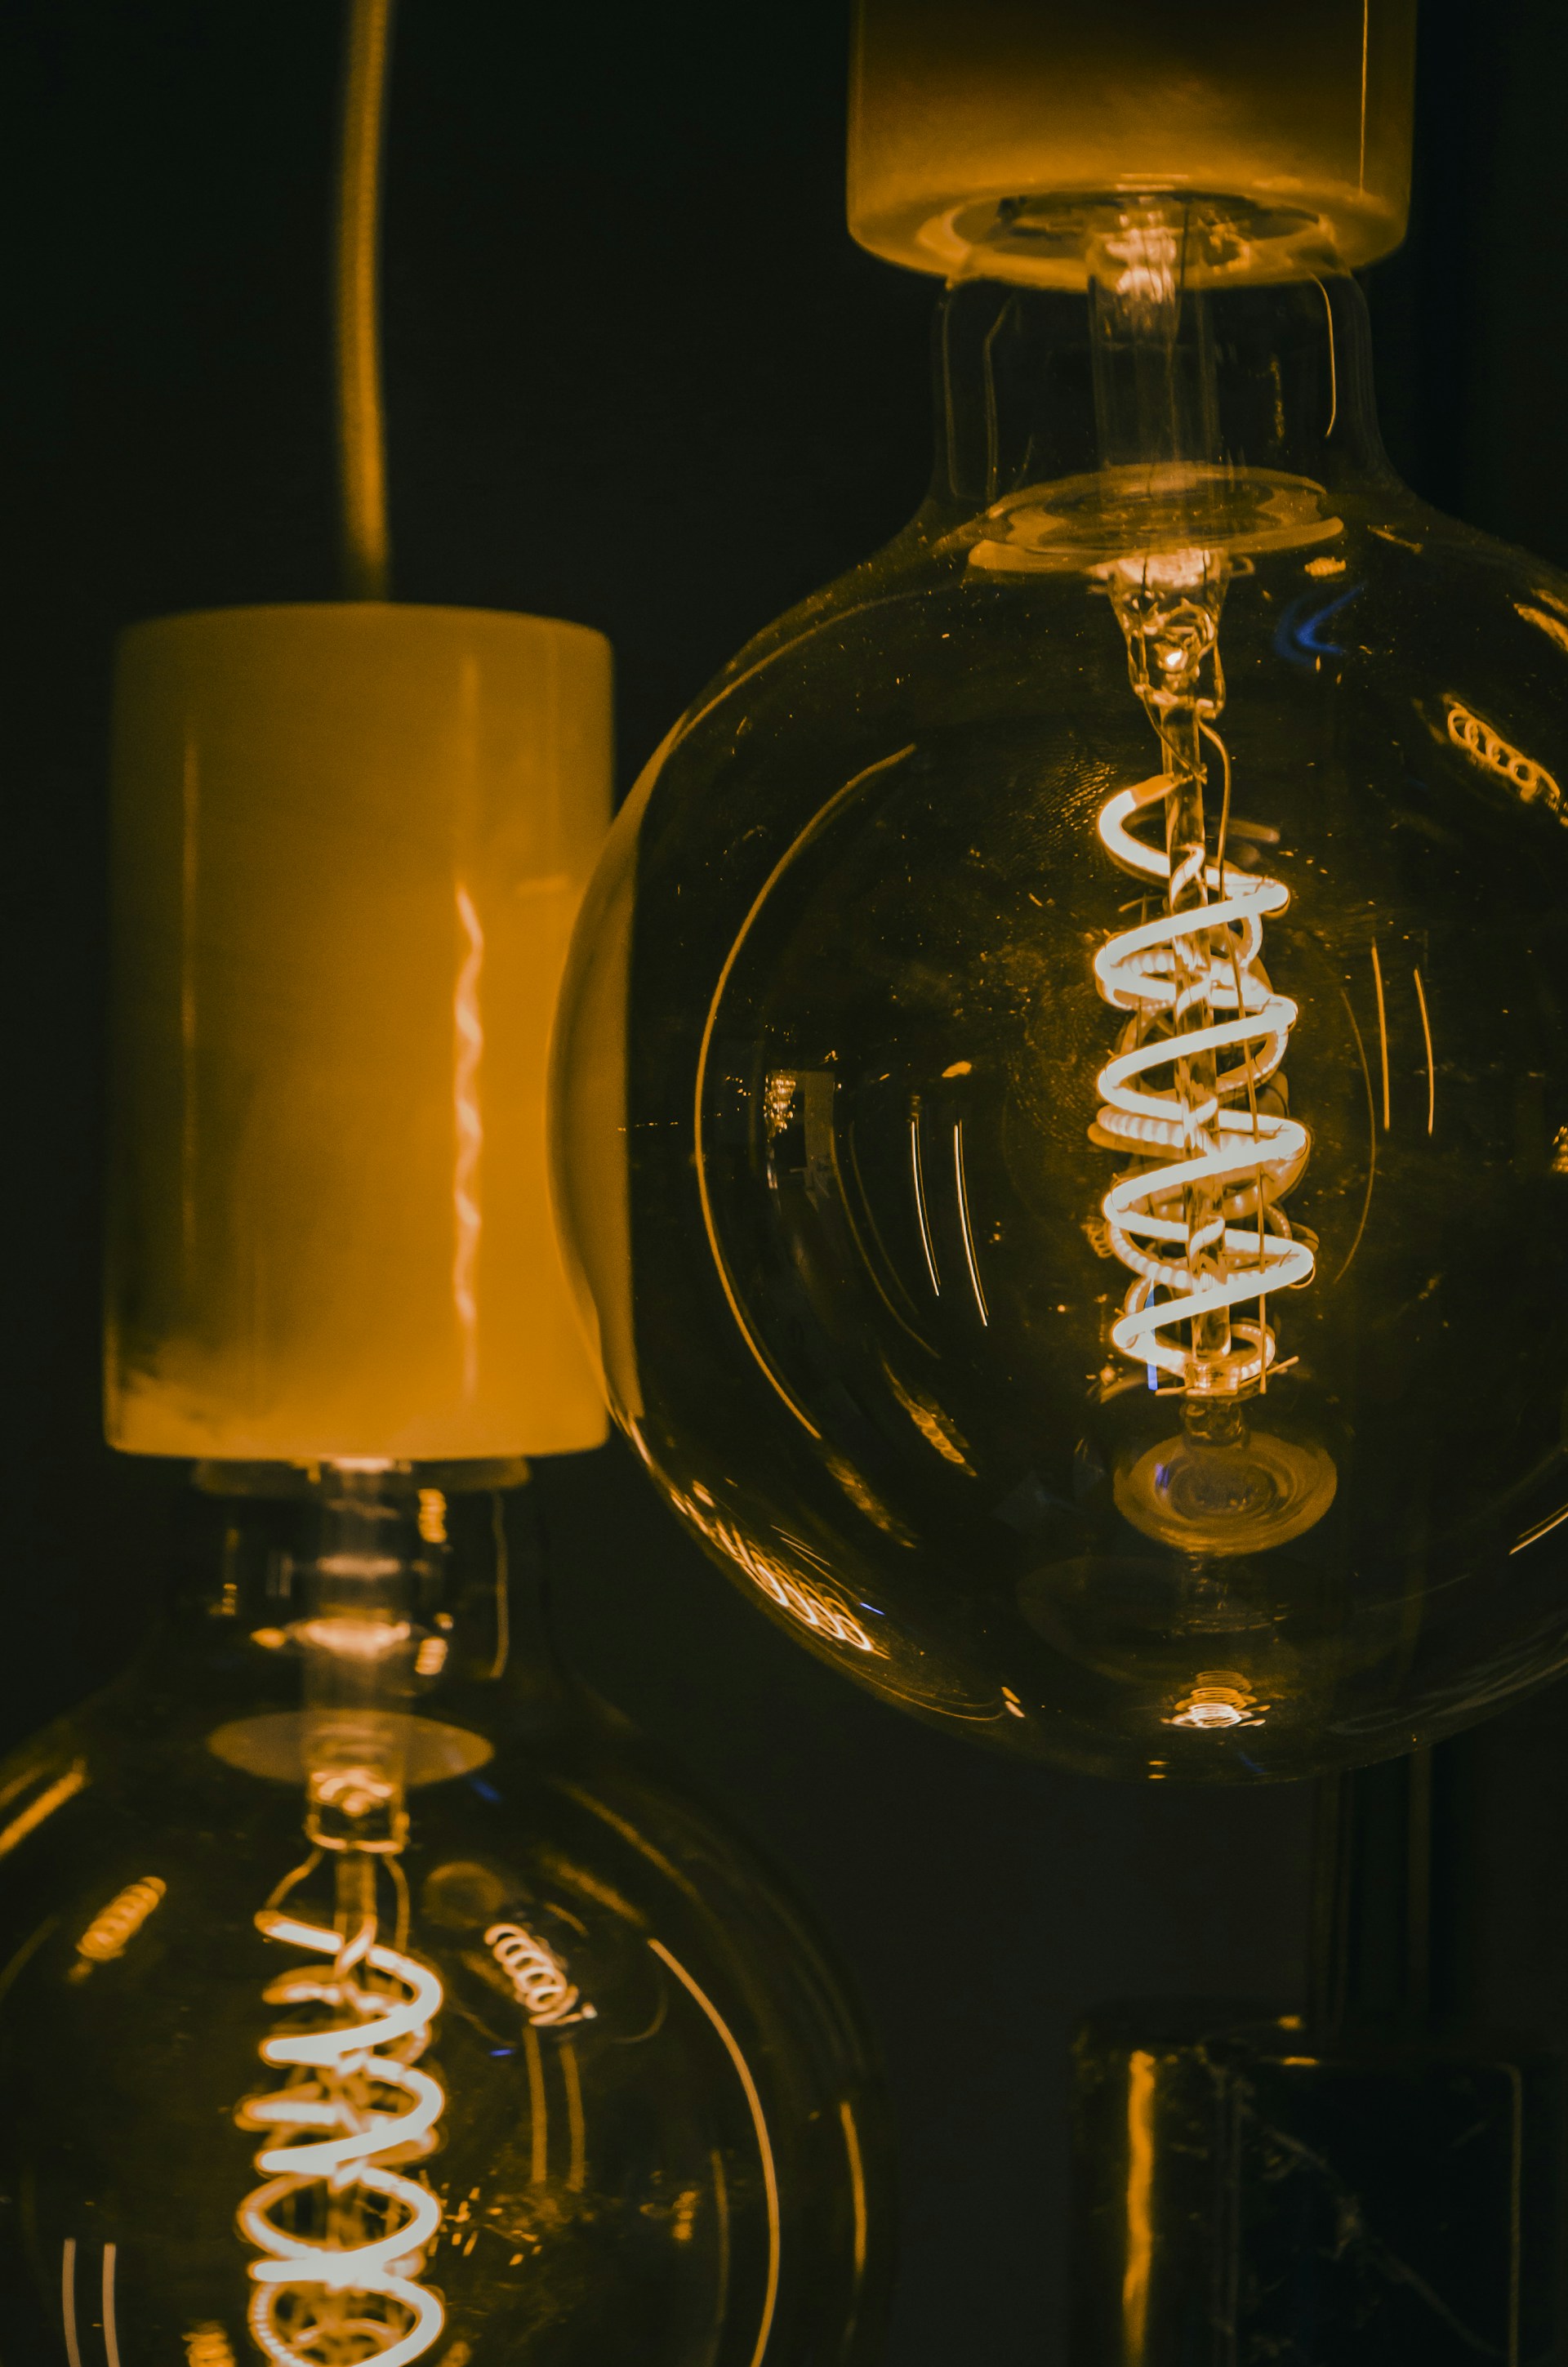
344,2233
1195,1091
209,2346
537,1976
110,1932
1246,1157
1219,1698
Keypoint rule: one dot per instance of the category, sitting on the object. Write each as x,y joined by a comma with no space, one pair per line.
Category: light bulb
1064,1072
969,127
361,1999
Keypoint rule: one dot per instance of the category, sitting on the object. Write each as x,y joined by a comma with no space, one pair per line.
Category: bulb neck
416,1590
1147,374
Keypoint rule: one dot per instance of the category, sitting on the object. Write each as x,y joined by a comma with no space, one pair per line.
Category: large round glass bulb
1064,1070
364,1996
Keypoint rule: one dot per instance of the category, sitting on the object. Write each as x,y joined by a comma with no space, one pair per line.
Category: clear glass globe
1064,1074
539,2065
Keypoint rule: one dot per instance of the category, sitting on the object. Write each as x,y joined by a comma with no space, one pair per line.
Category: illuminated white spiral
337,2129
1209,955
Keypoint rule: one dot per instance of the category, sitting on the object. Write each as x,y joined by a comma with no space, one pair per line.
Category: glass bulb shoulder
1064,1095
615,2073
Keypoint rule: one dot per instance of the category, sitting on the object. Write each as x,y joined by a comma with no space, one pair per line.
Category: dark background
639,376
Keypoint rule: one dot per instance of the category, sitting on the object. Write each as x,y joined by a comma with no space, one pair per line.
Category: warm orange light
350,845
43,1803
967,123
110,1933
333,2127
1207,1034
208,2346
1139,2201
759,2125
1219,1698
538,1978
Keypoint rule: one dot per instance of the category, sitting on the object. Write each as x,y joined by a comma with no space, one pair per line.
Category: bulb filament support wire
1187,1094
344,2232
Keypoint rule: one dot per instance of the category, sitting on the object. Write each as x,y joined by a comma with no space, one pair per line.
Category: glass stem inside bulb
1169,608
1196,1220
359,1644
343,2227
348,2223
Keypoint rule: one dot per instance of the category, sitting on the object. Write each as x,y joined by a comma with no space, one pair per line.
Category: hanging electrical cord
356,300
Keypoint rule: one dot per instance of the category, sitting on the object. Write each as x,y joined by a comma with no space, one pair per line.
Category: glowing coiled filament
537,1976
344,2231
1187,1092
1247,1156
209,2346
110,1932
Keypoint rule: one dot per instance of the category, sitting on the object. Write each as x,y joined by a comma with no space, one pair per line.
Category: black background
639,376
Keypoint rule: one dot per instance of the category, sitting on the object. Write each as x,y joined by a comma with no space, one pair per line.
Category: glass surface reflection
513,2049
1064,1072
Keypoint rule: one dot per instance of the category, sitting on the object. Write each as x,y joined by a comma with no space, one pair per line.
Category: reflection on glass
1064,1070
512,2052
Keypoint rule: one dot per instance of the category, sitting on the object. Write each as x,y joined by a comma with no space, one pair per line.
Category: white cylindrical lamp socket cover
349,845
967,116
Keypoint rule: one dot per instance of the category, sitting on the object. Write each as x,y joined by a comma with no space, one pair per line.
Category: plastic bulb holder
349,845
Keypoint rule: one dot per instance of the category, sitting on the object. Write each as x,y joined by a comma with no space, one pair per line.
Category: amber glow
764,2143
354,2104
44,1804
964,119
813,830
469,1116
857,2179
1140,2199
209,2346
109,1933
351,843
361,433
103,2317
538,1977
1220,1697
1185,1094
1166,970
810,1606
1532,782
